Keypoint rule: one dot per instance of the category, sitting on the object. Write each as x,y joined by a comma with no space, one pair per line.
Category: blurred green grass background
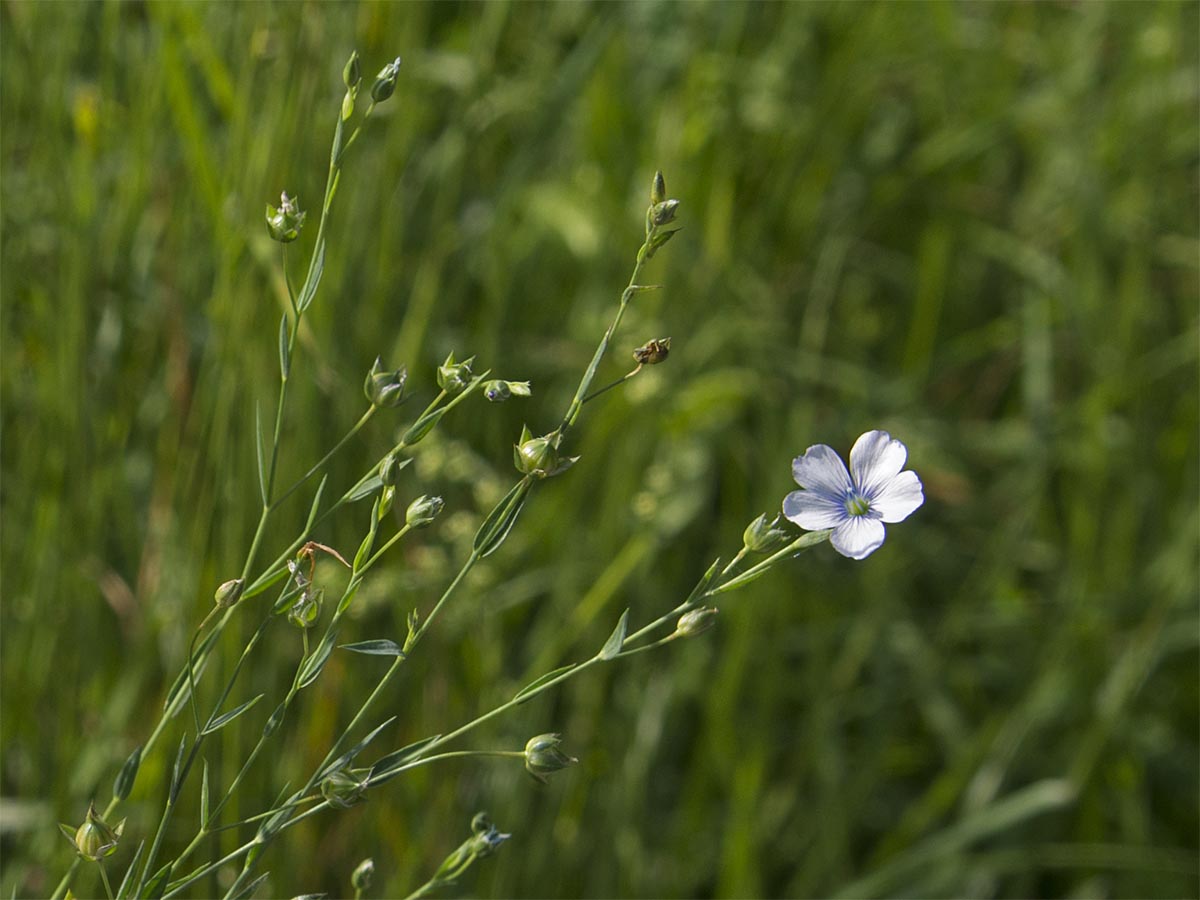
973,225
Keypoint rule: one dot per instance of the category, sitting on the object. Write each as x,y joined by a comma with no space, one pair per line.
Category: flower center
857,505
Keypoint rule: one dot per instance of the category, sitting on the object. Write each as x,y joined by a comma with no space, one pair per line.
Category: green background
972,225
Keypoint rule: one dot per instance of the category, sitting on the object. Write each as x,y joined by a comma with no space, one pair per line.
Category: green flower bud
663,212
762,536
653,352
342,789
352,74
696,622
94,839
389,469
284,224
539,456
423,510
305,612
658,190
452,377
385,389
385,81
229,593
487,839
386,498
542,756
361,879
481,822
499,391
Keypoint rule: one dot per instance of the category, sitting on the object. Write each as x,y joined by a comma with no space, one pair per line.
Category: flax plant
846,506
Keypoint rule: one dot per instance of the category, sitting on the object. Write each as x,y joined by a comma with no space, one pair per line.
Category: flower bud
663,212
342,789
539,456
385,389
653,352
386,498
658,190
389,469
696,622
94,839
452,377
423,510
284,224
499,391
229,593
542,756
361,879
385,81
305,612
487,839
352,74
762,536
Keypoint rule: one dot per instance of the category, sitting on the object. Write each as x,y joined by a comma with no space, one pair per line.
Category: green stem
319,464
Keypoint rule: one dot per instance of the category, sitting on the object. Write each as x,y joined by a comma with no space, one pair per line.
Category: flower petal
858,537
814,510
875,459
821,469
899,498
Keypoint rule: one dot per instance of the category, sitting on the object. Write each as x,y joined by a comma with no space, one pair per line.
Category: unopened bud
453,376
653,352
499,391
696,622
385,389
658,190
385,81
762,536
342,789
487,838
94,839
361,879
229,593
284,224
352,73
542,756
305,612
389,469
663,212
539,456
423,510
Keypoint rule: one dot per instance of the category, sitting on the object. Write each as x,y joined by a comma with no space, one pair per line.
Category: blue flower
854,503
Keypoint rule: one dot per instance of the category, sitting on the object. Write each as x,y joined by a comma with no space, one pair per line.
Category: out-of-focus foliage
973,225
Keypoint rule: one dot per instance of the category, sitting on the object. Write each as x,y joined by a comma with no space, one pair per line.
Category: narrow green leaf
348,757
423,426
613,645
705,581
177,770
525,692
248,890
386,767
367,488
500,520
316,505
268,581
157,885
125,888
309,291
348,596
204,797
123,783
68,832
176,883
283,812
316,662
262,463
221,721
364,549
374,648
283,347
276,719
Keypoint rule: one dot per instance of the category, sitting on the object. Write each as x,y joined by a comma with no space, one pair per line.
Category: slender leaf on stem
613,645
316,662
315,271
221,721
177,771
284,362
261,455
204,797
364,549
249,889
125,888
157,885
538,682
500,520
423,426
276,720
368,487
385,767
268,581
348,757
316,505
123,783
374,648
703,583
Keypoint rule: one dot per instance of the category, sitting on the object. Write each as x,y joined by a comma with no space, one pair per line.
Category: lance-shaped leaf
525,693
374,648
500,520
316,662
348,757
224,719
387,767
613,645
123,783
